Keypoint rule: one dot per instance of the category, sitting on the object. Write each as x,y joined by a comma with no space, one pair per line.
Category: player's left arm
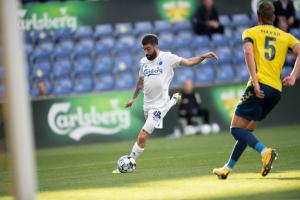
189,62
291,79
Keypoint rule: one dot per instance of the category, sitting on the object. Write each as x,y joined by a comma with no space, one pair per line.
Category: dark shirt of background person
285,10
190,105
206,19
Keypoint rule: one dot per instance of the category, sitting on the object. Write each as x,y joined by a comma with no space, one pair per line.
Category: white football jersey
158,75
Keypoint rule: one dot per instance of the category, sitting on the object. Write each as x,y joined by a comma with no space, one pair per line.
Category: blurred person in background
285,11
41,86
206,19
291,57
190,106
192,116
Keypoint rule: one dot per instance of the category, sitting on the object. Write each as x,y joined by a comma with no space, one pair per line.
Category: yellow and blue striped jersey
270,49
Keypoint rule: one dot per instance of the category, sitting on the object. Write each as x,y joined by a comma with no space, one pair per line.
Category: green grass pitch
171,169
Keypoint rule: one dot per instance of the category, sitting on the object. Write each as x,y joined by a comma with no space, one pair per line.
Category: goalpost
17,104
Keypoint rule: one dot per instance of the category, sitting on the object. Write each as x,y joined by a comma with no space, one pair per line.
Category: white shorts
154,118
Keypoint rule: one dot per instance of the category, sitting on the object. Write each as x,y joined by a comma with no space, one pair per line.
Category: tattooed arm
139,87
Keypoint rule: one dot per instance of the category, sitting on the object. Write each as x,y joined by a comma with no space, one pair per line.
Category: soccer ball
126,164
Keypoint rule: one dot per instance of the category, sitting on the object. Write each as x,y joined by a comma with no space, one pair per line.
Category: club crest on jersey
156,71
156,115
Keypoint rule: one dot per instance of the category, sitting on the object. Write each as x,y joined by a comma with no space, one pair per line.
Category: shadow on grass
279,178
282,195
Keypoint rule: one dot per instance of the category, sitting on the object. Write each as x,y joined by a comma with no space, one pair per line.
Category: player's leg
237,150
243,123
154,119
139,145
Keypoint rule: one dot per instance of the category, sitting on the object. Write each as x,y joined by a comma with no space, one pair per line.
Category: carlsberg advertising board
90,118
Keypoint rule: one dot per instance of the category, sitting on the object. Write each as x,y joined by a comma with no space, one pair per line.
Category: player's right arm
250,62
189,62
291,79
138,88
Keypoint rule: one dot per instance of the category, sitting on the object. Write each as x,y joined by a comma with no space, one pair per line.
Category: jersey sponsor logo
150,72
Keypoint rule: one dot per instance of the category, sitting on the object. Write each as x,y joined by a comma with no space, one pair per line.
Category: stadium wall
102,117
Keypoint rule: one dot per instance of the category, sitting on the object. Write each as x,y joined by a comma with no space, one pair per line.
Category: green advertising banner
85,119
177,10
57,15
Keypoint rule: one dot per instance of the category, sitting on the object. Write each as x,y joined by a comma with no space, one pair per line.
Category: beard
151,56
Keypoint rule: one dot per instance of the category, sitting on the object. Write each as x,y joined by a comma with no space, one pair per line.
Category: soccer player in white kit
155,75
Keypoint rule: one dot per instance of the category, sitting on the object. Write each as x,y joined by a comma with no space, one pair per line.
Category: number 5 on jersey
270,50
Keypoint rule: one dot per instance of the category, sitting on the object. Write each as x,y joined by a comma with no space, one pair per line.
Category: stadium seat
62,34
238,57
104,82
123,63
41,70
142,27
286,71
183,74
224,55
128,39
83,65
38,54
183,39
41,35
103,65
123,29
205,74
27,37
225,73
240,20
46,46
124,44
137,48
253,19
295,32
67,45
242,73
28,48
62,67
83,48
185,53
87,43
183,25
225,20
104,46
59,52
162,26
228,32
124,80
166,41
200,42
34,92
220,40
83,84
62,86
83,32
103,30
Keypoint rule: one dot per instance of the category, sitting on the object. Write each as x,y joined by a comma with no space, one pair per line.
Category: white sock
172,102
263,151
136,151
